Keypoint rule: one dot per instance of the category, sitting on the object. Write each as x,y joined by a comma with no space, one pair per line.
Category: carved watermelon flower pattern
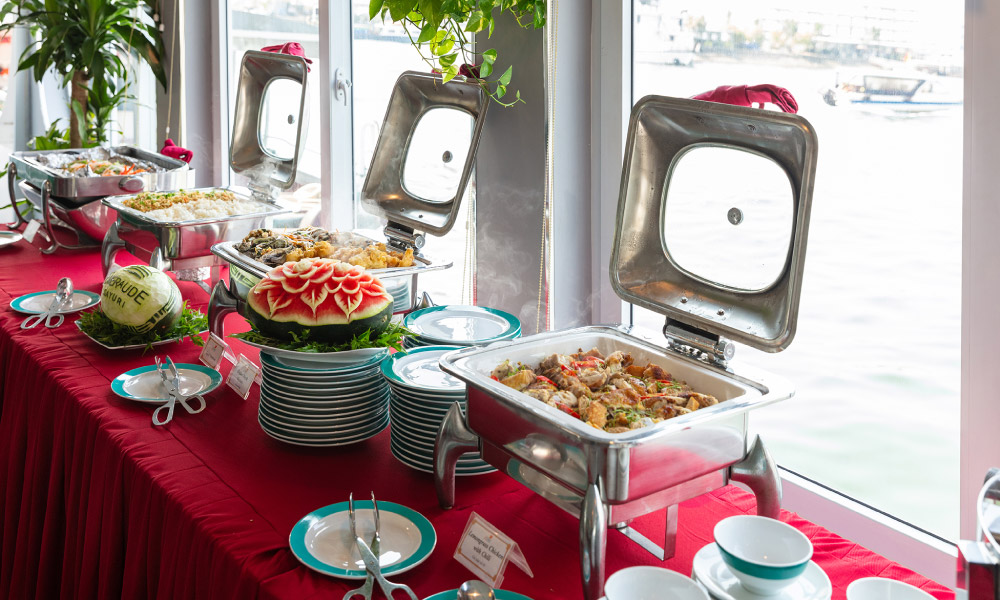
322,290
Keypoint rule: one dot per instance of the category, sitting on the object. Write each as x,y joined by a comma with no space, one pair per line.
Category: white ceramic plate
320,361
709,569
461,325
418,369
322,539
9,237
328,429
145,385
330,443
37,303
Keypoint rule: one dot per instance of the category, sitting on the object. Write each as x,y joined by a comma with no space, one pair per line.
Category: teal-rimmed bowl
765,554
408,538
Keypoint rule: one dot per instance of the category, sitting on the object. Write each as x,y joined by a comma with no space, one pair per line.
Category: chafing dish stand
606,479
409,216
979,560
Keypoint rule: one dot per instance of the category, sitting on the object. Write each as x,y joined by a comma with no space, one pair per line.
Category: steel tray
80,190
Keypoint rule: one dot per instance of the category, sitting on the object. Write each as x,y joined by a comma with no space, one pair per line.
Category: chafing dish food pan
71,199
610,478
269,122
391,191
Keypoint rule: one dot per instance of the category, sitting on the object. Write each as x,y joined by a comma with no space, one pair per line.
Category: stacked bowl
316,404
459,326
420,397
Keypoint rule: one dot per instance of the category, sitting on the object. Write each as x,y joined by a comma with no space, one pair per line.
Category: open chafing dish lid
713,215
425,152
270,119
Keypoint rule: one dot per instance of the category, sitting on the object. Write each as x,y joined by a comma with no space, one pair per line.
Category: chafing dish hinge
402,237
686,339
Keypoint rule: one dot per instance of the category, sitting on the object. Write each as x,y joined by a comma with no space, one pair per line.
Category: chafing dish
609,479
979,560
73,202
267,139
386,193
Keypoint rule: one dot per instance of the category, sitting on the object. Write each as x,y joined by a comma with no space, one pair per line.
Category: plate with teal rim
432,397
314,363
348,429
500,594
418,369
37,303
143,384
277,414
322,539
329,399
461,325
340,388
8,238
329,441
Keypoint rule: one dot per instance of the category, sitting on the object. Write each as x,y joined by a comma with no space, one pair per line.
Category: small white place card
242,376
32,230
485,550
214,350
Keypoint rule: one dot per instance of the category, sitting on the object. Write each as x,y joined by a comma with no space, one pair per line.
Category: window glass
876,360
256,24
381,52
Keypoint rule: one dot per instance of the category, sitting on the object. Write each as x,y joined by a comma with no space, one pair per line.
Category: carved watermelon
335,301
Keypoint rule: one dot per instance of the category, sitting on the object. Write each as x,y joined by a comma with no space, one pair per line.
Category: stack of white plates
421,395
459,326
322,404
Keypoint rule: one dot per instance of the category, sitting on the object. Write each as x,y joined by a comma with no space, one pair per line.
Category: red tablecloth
97,503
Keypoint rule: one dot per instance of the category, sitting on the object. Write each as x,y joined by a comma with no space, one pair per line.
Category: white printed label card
485,550
214,350
32,230
242,376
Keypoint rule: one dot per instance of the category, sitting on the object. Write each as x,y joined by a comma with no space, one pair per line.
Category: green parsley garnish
99,327
392,337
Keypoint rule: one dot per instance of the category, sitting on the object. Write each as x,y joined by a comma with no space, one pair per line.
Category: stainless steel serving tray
187,239
80,190
631,465
92,218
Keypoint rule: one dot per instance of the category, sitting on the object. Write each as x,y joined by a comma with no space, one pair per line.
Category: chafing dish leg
110,247
593,543
11,180
760,473
47,215
221,303
453,440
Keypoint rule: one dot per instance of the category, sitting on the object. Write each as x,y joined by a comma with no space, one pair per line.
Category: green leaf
427,33
443,47
398,9
475,22
505,78
539,18
449,73
448,60
501,90
373,8
489,56
431,11
485,70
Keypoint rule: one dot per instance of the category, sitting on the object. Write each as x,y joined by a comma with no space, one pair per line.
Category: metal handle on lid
132,184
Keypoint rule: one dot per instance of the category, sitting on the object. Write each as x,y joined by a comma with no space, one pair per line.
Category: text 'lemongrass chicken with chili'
609,393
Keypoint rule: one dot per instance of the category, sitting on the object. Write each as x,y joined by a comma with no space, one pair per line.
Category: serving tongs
52,317
370,556
172,384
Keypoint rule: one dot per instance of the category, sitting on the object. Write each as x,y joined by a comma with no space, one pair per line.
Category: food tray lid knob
425,153
270,121
712,221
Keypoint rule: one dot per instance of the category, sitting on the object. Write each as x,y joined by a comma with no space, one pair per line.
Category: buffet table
95,502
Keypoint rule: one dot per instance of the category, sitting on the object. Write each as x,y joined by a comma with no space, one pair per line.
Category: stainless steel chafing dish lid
420,185
270,119
713,216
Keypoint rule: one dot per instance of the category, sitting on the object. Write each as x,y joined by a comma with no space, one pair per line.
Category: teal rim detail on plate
513,323
762,571
390,363
17,303
500,594
297,539
118,383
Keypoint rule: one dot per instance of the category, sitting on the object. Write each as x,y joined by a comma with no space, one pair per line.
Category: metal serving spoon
475,590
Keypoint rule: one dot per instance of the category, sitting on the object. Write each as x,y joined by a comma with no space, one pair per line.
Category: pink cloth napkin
293,48
742,95
174,151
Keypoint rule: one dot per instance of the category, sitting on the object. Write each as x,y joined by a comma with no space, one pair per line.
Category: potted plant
441,31
88,43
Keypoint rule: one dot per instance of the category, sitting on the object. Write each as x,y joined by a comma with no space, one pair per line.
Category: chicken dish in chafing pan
275,248
610,393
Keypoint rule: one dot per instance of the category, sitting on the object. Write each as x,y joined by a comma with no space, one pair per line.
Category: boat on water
895,93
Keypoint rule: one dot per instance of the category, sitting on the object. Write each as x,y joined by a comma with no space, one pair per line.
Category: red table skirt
95,502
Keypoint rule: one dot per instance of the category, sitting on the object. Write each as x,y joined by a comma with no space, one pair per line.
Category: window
877,358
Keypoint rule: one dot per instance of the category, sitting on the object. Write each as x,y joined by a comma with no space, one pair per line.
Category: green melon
332,300
142,299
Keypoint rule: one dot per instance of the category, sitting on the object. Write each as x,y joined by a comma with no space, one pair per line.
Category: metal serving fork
370,556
